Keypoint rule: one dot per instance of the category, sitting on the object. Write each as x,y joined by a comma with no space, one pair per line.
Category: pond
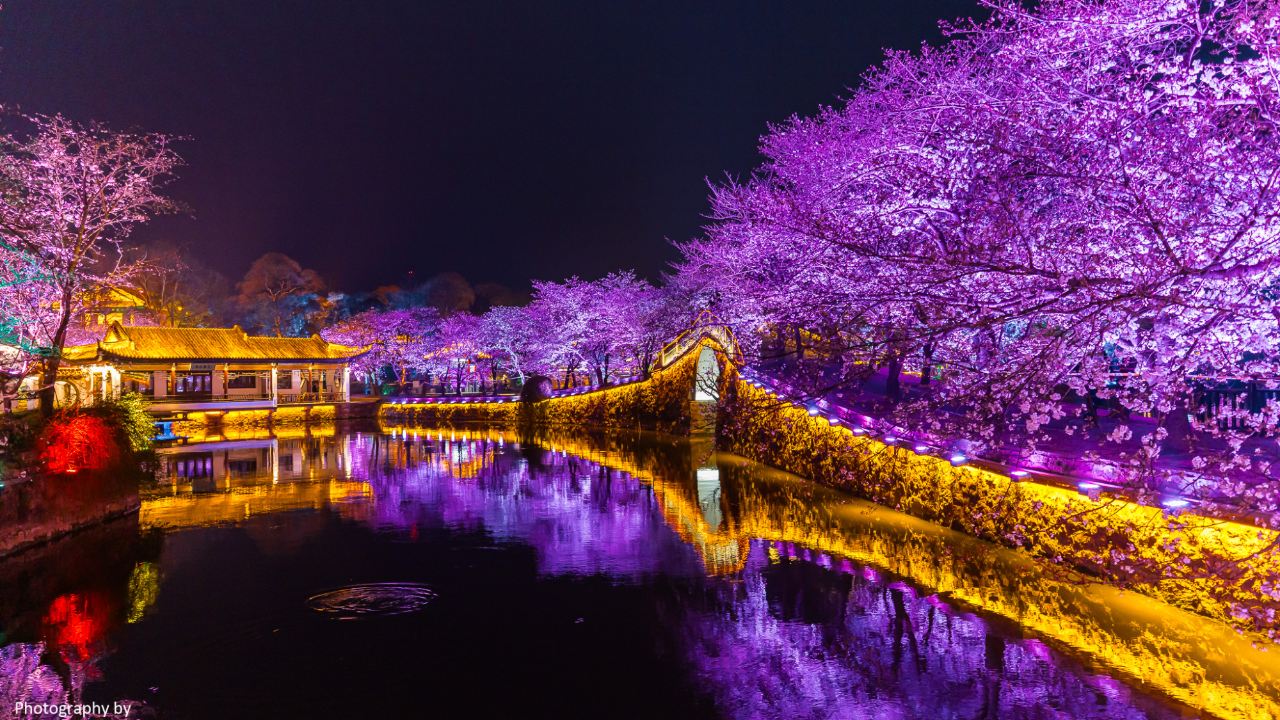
479,573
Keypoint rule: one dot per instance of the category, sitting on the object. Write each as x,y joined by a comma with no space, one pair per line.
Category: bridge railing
676,349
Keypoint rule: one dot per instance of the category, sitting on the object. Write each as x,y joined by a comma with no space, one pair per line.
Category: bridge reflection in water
800,600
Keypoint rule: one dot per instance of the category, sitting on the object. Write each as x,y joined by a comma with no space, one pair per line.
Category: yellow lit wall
1204,565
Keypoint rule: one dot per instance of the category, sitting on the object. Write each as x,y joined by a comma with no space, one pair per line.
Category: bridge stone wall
1071,533
662,403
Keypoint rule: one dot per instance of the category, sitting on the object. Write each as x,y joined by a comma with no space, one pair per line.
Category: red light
76,625
72,442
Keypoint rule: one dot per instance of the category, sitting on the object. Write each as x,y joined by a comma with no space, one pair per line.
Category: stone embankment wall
46,507
1220,569
283,416
661,403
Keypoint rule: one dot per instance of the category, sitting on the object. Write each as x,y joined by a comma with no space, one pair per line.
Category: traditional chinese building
203,369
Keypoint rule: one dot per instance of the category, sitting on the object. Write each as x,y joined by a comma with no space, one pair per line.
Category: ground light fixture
922,448
1018,474
958,459
833,420
1089,487
1175,503
889,440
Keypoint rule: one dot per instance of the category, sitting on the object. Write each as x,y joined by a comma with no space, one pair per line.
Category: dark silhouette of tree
280,297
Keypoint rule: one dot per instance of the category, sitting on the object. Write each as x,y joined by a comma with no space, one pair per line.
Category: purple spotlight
890,440
1175,503
833,420
922,448
958,459
1019,473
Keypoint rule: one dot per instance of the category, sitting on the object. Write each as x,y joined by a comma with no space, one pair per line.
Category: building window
242,467
193,466
194,383
242,381
139,382
284,381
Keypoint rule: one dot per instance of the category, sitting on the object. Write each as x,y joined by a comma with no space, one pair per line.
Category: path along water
576,574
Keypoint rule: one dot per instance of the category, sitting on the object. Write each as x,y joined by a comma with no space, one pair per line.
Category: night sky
503,140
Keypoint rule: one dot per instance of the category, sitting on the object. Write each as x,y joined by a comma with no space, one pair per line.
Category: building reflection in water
787,607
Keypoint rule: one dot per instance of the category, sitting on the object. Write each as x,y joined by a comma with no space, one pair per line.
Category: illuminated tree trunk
926,373
1178,425
893,383
48,393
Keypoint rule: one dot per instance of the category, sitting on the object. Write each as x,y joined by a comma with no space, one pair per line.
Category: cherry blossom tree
455,350
509,336
71,194
606,326
1073,202
397,339
1062,210
27,318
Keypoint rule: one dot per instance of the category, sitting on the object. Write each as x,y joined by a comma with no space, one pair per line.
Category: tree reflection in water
792,638
783,634
718,591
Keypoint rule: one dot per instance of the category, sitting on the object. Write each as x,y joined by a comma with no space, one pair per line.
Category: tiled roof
208,344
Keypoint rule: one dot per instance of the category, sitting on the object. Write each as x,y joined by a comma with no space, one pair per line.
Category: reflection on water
585,575
372,599
797,635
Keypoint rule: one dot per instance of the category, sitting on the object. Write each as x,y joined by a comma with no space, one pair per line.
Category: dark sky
503,140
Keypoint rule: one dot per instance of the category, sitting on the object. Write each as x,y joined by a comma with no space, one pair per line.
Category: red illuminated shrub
72,442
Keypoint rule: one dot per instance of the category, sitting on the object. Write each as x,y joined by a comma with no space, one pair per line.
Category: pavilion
181,370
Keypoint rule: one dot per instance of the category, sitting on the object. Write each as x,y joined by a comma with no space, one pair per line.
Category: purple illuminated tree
1075,202
398,339
71,194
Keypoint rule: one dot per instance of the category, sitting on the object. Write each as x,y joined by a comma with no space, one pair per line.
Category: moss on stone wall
660,403
1216,568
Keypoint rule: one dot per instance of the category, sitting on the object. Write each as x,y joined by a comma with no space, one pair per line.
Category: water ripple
372,599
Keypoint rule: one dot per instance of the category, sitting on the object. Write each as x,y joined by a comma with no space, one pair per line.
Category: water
479,574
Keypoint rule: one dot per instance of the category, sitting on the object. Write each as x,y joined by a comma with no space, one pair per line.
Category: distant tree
280,297
71,194
449,293
491,295
177,289
602,326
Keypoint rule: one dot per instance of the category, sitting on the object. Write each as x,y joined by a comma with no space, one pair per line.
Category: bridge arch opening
706,382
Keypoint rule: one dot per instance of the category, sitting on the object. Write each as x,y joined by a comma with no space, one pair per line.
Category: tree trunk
48,393
1178,426
799,344
893,383
1091,408
926,373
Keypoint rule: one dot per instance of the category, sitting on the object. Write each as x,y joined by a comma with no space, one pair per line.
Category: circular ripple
372,599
